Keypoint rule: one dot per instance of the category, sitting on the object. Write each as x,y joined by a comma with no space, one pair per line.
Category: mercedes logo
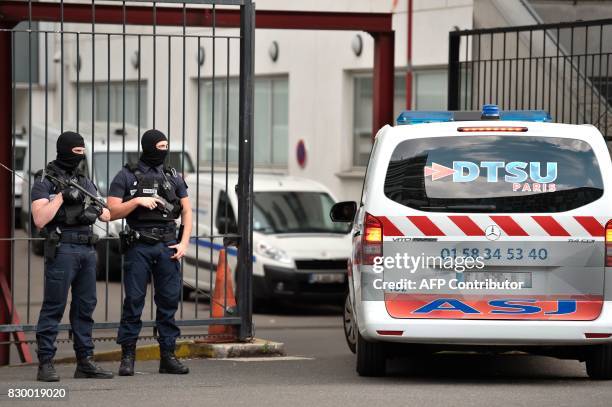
493,232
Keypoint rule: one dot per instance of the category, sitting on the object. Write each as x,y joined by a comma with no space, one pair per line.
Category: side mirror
343,211
221,223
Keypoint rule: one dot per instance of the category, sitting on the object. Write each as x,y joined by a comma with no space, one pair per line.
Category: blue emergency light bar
489,112
418,117
540,116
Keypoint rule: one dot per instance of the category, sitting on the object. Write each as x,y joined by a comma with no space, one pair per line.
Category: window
225,219
115,89
493,174
294,212
271,121
23,54
603,84
430,90
429,87
362,117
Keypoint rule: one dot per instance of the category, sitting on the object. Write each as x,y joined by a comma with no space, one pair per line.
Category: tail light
480,129
372,239
609,244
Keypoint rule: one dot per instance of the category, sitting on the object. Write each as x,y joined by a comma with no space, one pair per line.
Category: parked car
299,254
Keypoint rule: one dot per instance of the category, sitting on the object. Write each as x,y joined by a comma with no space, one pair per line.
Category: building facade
310,86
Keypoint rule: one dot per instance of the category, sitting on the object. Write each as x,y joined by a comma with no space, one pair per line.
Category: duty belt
78,238
155,235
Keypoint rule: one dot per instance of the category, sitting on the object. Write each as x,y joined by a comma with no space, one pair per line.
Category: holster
126,240
52,242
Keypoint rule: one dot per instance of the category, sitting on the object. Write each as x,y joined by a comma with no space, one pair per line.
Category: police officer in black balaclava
151,155
66,157
65,218
152,197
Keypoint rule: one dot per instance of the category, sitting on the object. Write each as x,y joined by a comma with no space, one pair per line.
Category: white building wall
319,65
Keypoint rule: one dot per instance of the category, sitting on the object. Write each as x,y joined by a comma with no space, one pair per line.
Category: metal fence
111,70
563,68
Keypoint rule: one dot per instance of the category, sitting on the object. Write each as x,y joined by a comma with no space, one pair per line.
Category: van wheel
350,330
188,293
263,306
371,358
599,362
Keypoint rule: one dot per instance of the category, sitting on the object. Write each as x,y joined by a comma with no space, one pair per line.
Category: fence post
6,120
245,170
454,70
384,76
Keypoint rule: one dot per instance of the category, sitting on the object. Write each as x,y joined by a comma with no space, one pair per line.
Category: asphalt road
320,370
322,373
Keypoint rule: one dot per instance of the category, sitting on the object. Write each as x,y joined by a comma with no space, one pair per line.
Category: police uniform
148,254
70,261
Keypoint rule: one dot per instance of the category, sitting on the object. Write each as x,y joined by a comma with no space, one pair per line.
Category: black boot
128,355
46,372
87,369
170,364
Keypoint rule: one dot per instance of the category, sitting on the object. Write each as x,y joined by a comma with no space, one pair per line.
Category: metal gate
563,68
110,71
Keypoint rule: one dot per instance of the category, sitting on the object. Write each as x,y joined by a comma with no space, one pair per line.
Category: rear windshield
493,174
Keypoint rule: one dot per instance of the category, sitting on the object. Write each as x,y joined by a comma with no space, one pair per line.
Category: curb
197,350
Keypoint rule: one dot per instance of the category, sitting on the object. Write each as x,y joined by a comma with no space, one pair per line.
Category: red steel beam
6,124
16,11
384,75
20,339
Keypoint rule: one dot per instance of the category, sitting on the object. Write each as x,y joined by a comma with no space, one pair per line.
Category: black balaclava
151,155
66,159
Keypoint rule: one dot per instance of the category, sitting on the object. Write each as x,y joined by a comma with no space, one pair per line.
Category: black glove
72,195
89,215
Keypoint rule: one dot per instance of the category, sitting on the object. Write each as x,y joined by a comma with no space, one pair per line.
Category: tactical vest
148,185
68,214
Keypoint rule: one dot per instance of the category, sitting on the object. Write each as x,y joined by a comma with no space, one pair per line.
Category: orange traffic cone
223,297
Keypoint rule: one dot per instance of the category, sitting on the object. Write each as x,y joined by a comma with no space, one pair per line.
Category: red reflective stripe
597,335
395,333
591,225
551,226
389,229
467,225
509,226
425,225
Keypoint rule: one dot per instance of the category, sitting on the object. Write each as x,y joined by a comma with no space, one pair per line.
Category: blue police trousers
74,265
141,261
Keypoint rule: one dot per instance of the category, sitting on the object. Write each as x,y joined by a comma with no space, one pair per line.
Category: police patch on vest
149,190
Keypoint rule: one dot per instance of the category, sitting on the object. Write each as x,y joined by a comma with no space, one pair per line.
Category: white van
299,254
483,229
113,146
